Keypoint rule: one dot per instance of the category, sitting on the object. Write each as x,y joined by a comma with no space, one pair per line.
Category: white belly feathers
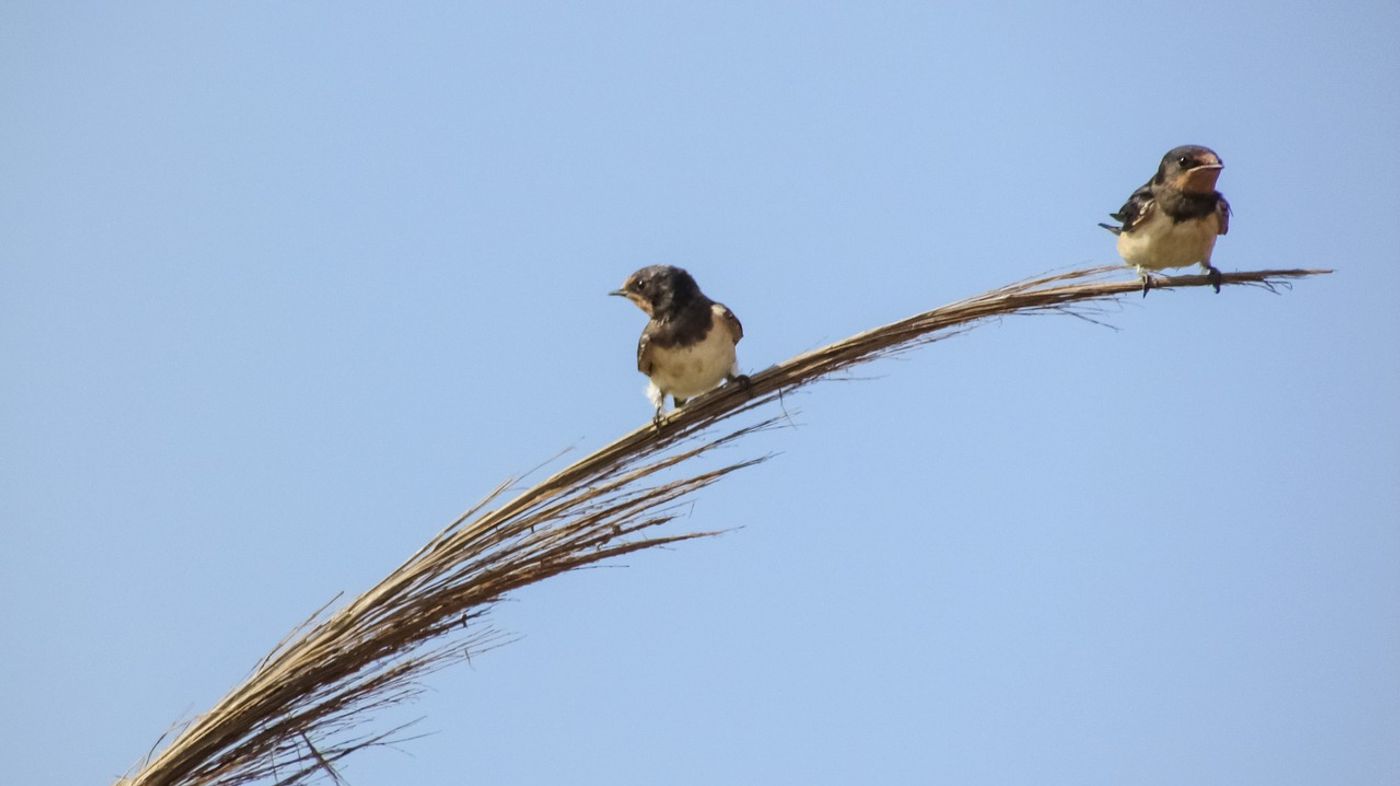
1159,243
685,372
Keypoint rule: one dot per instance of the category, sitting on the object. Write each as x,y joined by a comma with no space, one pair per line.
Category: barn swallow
688,344
1173,220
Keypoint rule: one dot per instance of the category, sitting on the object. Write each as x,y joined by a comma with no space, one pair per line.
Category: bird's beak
1202,179
618,292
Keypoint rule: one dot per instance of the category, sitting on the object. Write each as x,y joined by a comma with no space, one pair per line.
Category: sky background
284,287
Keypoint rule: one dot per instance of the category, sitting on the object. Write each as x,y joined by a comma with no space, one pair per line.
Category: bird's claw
1214,276
743,381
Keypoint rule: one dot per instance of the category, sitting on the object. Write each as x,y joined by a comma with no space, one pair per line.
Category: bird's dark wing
736,329
1136,210
644,353
1222,211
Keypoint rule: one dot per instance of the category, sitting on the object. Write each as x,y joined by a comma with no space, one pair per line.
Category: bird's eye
1183,160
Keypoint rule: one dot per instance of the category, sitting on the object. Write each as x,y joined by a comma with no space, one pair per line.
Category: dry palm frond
301,710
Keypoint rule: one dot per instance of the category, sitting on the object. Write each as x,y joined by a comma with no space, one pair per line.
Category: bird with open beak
688,345
1174,219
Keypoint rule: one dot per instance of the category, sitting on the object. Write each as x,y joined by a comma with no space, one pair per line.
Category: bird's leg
1213,274
742,380
1146,280
658,400
660,420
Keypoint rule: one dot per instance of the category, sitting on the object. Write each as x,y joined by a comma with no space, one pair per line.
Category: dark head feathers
1180,160
660,289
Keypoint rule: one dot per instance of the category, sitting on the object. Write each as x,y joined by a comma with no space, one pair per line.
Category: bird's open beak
1202,179
618,292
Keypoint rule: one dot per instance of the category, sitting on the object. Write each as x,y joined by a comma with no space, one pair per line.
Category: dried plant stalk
302,708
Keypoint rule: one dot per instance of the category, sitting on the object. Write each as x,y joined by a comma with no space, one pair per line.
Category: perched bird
1173,220
687,347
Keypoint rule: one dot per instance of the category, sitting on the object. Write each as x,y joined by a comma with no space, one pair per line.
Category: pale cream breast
690,371
1159,243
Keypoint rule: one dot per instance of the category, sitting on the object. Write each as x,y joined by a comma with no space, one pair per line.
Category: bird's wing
1222,211
736,329
1137,209
644,354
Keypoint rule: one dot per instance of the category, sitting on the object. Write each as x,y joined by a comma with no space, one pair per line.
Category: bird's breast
689,370
1160,242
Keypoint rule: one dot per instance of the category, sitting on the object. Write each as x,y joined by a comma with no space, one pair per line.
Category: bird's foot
1146,283
742,380
1213,274
658,420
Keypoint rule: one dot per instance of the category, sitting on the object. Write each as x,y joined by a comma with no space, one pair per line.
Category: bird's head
1190,168
659,289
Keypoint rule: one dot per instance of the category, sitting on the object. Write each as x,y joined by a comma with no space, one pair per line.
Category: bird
688,344
1174,218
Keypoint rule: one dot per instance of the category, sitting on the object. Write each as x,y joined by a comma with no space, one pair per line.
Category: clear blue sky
286,286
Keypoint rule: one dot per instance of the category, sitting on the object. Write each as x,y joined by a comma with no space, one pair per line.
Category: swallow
688,345
1173,220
